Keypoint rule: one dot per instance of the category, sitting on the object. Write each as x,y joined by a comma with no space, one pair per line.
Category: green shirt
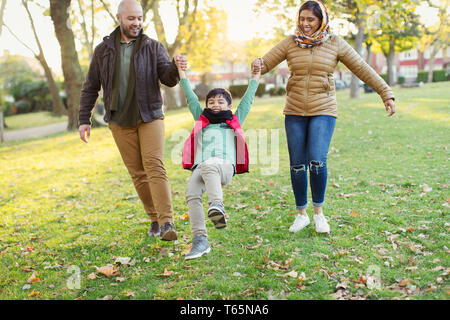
218,140
126,116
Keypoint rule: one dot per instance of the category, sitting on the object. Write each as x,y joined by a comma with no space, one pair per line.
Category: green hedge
422,76
238,90
277,91
439,75
401,80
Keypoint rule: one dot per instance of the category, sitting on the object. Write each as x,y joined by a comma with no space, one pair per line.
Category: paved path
42,131
35,132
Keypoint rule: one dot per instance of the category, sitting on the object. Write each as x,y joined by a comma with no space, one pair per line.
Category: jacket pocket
330,84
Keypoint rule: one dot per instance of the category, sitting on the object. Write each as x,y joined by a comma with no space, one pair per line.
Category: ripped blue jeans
308,141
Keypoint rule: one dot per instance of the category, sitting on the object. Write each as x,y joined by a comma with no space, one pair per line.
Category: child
214,152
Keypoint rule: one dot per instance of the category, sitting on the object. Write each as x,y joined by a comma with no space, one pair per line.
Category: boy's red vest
190,146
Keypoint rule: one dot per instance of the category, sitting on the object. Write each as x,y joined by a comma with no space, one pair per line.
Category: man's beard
128,34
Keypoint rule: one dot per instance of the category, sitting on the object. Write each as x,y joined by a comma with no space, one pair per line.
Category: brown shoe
168,232
154,230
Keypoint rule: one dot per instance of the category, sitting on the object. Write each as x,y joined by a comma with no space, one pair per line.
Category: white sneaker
321,223
301,221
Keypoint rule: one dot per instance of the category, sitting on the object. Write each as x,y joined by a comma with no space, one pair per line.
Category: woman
312,54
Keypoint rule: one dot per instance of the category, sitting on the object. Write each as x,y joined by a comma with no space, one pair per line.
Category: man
128,66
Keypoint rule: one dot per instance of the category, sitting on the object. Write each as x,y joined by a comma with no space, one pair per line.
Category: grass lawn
66,207
34,119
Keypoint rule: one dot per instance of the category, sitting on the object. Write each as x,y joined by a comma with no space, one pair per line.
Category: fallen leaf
186,250
129,216
34,293
92,276
108,297
33,279
403,283
130,294
410,229
27,269
354,213
108,270
184,217
122,260
120,279
292,274
166,273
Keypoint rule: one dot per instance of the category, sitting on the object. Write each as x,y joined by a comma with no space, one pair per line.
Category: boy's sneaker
301,221
200,246
216,213
321,223
168,232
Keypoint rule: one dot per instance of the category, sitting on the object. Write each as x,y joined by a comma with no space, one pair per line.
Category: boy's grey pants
209,176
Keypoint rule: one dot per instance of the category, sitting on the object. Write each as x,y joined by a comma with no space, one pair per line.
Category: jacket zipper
308,77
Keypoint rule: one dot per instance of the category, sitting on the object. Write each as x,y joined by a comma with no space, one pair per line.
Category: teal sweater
218,140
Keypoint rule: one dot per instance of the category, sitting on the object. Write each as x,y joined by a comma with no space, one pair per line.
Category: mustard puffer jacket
310,88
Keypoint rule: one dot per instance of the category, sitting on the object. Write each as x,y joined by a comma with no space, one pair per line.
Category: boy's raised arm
192,99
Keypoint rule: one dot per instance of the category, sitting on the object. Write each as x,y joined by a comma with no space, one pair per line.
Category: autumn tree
399,29
2,11
437,36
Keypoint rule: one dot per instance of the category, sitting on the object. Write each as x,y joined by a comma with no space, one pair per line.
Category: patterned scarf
320,36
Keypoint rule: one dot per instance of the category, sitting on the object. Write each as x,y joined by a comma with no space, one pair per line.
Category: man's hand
181,61
83,129
389,104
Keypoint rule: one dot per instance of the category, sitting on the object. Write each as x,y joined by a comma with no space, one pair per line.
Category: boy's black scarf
217,117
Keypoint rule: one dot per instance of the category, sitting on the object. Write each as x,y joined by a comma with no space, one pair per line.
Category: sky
239,12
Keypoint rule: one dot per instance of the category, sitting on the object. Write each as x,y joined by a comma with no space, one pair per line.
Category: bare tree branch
108,10
18,39
2,10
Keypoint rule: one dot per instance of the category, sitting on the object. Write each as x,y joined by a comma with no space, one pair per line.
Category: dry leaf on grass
92,276
292,274
166,273
354,213
33,279
123,260
186,250
108,270
34,293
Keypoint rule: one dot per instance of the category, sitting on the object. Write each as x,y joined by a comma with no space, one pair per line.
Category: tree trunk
2,10
73,77
430,68
354,85
369,53
57,103
1,125
390,63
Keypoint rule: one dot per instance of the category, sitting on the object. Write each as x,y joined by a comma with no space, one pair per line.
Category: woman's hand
256,68
389,104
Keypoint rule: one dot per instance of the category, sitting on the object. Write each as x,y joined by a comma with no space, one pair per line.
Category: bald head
130,16
127,5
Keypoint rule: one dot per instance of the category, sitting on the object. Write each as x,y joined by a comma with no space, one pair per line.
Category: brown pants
142,151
